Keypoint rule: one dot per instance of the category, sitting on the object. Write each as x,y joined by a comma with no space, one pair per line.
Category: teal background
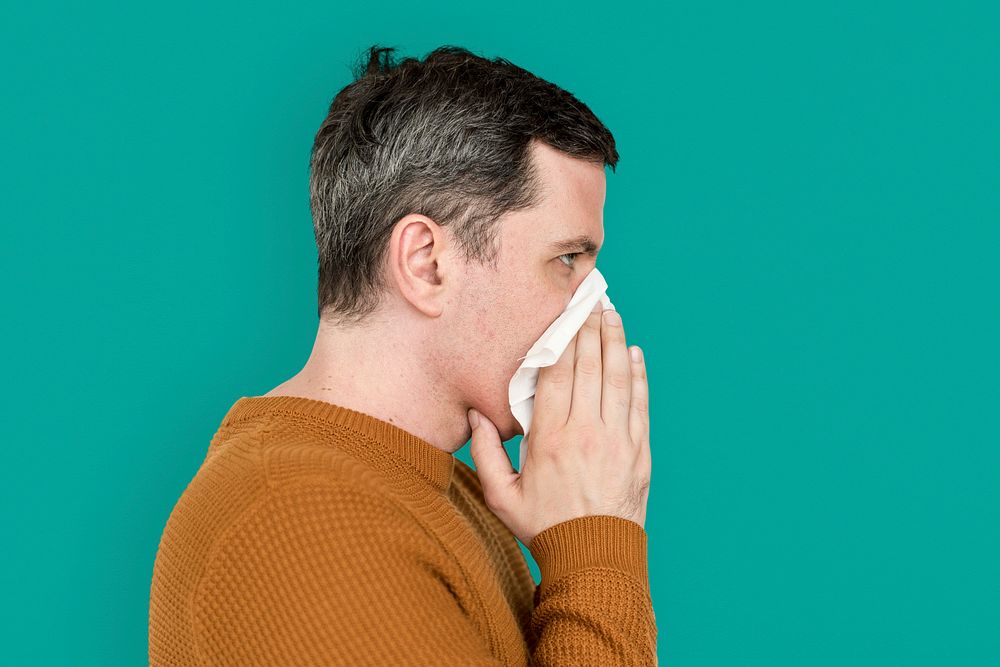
802,234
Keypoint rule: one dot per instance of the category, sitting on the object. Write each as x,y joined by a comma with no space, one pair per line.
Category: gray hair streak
447,137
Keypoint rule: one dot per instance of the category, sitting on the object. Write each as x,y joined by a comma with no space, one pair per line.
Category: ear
417,262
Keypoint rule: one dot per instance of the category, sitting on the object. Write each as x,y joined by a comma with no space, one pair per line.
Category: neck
382,372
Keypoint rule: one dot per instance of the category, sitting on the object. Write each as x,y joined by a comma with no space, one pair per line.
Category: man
457,205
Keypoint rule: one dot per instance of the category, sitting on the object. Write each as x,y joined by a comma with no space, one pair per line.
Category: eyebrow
583,243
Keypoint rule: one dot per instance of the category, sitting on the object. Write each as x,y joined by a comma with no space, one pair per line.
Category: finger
638,419
586,404
617,382
554,389
493,466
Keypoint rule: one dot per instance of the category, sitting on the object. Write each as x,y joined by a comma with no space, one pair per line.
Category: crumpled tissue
549,347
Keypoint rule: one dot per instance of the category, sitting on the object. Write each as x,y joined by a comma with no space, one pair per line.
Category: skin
453,332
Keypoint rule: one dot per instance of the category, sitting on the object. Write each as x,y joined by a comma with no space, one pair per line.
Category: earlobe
416,261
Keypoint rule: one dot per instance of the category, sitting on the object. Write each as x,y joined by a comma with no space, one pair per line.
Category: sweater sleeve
593,605
330,573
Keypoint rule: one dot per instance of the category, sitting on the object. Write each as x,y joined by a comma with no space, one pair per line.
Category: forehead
570,212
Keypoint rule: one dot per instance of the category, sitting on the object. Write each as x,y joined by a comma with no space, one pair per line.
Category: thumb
495,471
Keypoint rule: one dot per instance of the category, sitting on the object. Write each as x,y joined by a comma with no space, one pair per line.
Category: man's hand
588,450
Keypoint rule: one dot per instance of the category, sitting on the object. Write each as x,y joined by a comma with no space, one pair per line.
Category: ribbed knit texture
313,534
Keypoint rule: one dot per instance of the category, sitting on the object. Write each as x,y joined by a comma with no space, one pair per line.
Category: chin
509,427
514,428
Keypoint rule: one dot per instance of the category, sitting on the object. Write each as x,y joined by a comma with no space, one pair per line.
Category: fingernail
597,307
612,318
636,354
473,418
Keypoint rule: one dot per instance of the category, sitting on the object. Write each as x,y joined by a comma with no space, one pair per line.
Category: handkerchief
549,347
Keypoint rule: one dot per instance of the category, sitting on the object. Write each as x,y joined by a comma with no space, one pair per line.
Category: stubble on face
504,311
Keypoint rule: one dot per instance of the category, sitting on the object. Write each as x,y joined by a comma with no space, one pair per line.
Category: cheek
505,321
494,339
498,338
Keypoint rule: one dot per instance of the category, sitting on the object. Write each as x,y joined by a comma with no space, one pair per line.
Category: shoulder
251,476
314,530
276,452
312,460
308,488
327,512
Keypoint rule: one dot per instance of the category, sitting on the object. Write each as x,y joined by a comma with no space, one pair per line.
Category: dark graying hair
447,137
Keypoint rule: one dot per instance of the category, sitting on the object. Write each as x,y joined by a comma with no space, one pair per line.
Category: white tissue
549,347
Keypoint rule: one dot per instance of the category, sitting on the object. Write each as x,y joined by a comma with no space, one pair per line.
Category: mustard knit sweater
313,534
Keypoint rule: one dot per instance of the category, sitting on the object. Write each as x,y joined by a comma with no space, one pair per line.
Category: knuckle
558,376
588,365
590,436
640,404
553,451
619,379
614,333
586,434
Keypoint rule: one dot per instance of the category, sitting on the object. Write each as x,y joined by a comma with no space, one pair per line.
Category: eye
570,254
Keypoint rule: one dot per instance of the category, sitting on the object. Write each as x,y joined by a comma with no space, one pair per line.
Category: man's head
440,191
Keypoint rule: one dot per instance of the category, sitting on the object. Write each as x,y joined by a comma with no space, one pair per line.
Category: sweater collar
432,463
